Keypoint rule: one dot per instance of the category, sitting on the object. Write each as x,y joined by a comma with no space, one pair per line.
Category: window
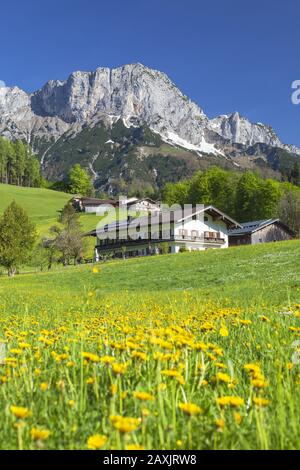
183,233
212,235
195,233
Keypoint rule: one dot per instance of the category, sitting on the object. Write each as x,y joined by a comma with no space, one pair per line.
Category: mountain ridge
136,95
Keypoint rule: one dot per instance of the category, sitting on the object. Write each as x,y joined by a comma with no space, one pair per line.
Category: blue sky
225,55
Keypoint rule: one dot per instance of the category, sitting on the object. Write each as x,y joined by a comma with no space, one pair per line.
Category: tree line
18,165
243,196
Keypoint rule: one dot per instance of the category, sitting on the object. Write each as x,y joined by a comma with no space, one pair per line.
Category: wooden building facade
261,231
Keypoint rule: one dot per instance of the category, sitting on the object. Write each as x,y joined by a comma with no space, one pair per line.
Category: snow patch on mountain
202,147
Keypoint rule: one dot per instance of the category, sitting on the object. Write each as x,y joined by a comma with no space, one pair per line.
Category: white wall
97,209
204,226
208,226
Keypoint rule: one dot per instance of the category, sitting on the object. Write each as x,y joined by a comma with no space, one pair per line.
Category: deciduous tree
17,238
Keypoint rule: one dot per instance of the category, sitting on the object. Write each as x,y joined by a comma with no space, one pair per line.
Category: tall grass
120,357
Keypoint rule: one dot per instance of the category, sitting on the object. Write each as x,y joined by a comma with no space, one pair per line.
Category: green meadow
42,206
195,350
262,274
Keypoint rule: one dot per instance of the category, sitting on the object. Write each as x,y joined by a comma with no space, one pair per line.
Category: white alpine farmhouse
197,228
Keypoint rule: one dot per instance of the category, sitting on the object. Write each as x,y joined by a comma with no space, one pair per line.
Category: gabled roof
212,210
137,201
91,201
176,216
253,226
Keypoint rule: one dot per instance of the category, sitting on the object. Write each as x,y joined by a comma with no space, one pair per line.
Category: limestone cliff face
239,130
134,93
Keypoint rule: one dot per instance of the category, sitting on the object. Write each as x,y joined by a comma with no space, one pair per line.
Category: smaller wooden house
93,205
260,231
140,205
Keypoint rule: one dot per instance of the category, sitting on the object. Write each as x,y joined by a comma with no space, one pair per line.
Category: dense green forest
18,165
244,196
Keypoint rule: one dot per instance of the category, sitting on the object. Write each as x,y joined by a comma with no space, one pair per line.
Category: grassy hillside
250,275
42,205
186,351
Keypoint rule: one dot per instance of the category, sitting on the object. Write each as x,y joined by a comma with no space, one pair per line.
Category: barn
260,231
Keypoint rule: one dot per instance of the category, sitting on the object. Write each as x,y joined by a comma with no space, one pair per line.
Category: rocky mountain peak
134,93
12,99
240,130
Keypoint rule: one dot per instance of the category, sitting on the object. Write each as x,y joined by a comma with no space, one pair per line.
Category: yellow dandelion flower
172,373
143,396
23,345
237,417
96,442
90,357
44,386
252,368
203,383
139,355
190,408
258,383
220,423
125,424
259,401
16,352
220,365
107,359
39,434
245,322
119,369
134,447
230,400
20,412
223,331
223,377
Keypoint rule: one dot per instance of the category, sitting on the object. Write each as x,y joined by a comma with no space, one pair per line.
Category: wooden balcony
117,244
146,242
204,239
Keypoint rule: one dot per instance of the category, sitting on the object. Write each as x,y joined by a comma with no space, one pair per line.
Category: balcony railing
197,239
148,242
129,243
